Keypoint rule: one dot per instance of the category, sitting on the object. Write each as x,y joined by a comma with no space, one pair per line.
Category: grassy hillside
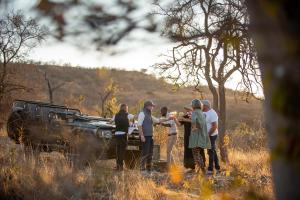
134,87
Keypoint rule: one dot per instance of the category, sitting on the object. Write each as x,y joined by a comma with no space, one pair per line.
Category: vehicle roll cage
43,104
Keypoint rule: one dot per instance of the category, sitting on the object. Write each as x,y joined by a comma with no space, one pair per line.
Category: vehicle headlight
95,131
107,134
104,133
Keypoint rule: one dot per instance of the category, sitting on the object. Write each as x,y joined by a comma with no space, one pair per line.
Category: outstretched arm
186,120
158,120
176,121
165,125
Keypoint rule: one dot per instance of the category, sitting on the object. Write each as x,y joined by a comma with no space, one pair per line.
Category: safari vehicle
48,127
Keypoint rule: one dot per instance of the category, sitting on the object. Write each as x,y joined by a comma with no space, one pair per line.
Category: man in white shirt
212,128
145,126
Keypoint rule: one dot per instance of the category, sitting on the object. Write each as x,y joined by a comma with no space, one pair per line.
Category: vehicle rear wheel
132,159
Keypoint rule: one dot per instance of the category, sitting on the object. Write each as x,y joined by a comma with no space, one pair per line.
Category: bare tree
51,87
276,30
18,35
213,44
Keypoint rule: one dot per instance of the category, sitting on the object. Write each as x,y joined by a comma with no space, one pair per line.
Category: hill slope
134,87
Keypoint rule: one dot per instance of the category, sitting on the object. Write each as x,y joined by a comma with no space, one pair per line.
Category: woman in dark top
121,120
188,160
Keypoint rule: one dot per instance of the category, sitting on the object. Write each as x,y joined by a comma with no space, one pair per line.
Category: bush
246,138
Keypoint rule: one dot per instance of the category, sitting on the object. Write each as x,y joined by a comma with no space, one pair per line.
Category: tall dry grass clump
248,138
26,175
250,160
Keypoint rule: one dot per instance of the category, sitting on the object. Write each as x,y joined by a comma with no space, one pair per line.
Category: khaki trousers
170,143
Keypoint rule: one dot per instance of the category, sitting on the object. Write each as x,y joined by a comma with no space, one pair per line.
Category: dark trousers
147,153
212,153
188,159
202,153
121,144
199,162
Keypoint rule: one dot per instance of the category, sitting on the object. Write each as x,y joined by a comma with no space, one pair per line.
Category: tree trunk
222,124
51,96
213,90
2,81
275,29
215,104
103,109
50,91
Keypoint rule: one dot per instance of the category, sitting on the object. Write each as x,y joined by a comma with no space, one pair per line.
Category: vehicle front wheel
15,127
132,159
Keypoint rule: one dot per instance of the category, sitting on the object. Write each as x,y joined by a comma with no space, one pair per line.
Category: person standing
172,135
185,120
145,127
199,139
121,119
212,128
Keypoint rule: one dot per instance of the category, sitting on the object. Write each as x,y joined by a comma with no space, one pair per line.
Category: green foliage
137,108
109,101
111,107
103,73
75,101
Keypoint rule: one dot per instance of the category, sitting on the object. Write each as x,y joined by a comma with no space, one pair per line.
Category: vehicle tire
132,159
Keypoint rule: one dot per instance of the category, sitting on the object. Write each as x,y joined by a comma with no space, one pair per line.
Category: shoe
118,168
209,173
154,172
144,173
190,171
203,170
218,172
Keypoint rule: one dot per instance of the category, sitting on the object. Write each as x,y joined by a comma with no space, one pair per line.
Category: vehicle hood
102,124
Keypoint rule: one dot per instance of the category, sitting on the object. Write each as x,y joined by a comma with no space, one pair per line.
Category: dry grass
50,176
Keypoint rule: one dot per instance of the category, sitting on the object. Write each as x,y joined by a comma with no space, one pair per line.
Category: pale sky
142,52
130,56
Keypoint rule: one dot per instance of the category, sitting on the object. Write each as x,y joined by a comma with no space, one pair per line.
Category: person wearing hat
199,138
145,126
212,128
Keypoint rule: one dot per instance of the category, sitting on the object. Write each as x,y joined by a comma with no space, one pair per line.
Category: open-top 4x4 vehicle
48,127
